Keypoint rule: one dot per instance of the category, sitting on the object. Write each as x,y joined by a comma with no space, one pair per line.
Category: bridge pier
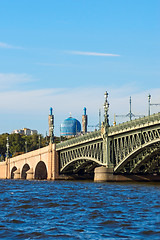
53,164
17,174
103,174
30,174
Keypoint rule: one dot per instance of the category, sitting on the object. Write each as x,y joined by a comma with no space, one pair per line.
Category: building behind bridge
25,131
72,127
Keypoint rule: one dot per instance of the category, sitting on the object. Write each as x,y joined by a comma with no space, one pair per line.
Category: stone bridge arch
38,164
40,171
25,168
12,172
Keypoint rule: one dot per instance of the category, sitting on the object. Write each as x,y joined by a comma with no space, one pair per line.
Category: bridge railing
123,127
79,139
143,122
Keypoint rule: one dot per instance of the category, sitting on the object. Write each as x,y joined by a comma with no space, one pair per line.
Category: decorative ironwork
90,152
134,147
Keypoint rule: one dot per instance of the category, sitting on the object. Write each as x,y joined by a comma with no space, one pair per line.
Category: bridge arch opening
41,171
12,172
141,159
24,170
81,168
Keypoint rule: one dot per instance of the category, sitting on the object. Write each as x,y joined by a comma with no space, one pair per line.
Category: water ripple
79,210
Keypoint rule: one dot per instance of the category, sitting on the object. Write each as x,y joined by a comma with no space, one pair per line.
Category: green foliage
3,143
19,144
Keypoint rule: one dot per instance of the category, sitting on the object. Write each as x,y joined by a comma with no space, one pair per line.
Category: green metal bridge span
129,148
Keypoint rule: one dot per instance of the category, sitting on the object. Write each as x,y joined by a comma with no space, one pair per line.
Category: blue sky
67,53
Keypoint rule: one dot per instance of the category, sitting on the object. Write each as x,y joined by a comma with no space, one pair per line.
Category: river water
79,210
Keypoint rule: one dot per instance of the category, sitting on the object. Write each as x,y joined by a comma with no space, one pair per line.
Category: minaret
51,125
84,121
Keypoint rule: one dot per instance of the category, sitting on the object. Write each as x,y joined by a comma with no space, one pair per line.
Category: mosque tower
51,125
84,121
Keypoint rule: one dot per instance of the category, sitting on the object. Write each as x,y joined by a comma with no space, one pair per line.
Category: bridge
130,148
127,151
38,164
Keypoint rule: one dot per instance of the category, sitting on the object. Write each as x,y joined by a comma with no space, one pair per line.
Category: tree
19,144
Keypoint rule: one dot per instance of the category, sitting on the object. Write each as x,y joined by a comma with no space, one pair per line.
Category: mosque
72,127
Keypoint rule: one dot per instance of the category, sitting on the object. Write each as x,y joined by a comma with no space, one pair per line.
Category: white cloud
34,105
8,80
92,54
73,100
8,46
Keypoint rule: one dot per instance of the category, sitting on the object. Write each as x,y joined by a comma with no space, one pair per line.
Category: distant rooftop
25,131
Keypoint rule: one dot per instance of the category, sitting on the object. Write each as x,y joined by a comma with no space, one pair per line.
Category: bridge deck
113,130
79,140
136,124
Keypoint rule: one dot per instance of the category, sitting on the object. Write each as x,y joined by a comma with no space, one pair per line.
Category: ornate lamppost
106,109
151,104
7,159
26,146
39,141
7,145
105,131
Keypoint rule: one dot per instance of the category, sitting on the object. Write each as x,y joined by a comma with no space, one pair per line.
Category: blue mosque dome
70,127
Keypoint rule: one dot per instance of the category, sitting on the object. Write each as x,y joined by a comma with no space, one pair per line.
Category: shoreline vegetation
19,144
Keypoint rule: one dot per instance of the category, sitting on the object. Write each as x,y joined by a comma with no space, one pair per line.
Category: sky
65,54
